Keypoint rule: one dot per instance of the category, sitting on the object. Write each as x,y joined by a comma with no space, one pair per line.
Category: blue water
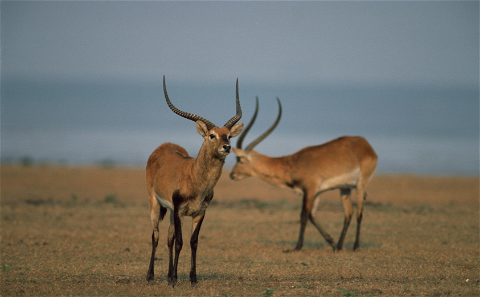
414,129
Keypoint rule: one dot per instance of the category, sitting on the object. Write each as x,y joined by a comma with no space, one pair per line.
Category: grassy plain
85,231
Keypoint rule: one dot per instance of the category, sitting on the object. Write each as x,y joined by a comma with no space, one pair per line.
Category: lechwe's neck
207,168
272,170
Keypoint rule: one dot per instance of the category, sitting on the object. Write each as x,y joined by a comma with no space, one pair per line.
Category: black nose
227,148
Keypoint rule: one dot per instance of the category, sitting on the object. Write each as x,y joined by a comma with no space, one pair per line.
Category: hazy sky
359,42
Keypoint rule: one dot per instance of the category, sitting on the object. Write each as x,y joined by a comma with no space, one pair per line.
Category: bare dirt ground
86,231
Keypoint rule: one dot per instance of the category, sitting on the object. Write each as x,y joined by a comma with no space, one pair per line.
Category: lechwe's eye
212,136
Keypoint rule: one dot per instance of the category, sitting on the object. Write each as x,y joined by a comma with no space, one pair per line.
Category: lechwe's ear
236,129
201,128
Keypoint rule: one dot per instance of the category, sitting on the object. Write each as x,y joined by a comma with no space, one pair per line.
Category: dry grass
86,231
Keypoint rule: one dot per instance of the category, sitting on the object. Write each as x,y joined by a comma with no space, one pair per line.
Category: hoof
193,280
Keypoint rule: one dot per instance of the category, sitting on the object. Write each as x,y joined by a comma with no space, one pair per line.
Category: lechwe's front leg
308,213
306,209
174,239
170,243
196,225
316,223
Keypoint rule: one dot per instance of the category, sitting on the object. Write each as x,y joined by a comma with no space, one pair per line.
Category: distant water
414,129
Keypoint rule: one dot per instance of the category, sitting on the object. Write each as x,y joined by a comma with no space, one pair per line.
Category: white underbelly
346,180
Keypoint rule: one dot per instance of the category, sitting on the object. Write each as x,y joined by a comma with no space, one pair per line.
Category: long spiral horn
186,115
238,116
250,124
262,137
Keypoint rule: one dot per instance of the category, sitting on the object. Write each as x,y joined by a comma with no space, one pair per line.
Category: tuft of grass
111,199
268,292
347,293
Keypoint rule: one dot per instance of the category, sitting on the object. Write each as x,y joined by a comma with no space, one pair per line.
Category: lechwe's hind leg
367,169
361,196
157,212
347,207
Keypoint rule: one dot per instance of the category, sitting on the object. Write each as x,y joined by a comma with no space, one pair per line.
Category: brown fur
313,170
184,185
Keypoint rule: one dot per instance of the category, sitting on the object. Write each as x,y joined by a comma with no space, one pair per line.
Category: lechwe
344,163
184,185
